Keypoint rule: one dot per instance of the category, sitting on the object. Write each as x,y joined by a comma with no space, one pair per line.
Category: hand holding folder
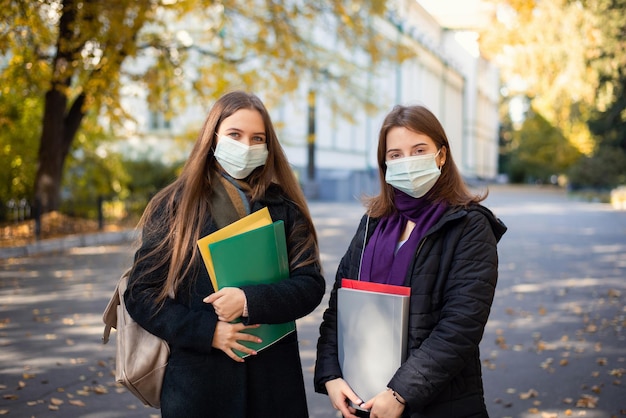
250,251
372,328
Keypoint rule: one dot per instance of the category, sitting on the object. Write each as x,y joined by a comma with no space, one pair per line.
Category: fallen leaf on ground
532,393
100,390
587,401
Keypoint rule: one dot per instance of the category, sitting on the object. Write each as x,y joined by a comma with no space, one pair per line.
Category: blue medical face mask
414,175
237,159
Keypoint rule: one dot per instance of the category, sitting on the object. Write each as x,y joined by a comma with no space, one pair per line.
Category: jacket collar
452,214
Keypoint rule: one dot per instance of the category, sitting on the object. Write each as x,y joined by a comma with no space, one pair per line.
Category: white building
454,82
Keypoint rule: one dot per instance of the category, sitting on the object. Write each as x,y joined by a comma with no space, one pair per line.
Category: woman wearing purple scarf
424,230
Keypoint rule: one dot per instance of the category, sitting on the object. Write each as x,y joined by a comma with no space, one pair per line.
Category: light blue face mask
237,159
414,175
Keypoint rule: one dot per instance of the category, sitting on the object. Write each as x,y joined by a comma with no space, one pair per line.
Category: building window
158,122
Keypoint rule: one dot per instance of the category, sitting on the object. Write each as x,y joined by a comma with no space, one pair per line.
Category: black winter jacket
452,278
204,382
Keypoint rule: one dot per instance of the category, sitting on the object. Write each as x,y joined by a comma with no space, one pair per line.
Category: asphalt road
555,344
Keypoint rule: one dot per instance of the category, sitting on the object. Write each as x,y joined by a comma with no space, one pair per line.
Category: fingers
367,405
242,336
229,337
232,355
347,411
383,405
211,298
227,302
242,349
341,395
236,345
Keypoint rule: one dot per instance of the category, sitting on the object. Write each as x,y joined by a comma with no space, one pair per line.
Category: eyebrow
241,130
412,147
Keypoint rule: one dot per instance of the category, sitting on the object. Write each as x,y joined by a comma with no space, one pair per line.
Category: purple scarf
381,263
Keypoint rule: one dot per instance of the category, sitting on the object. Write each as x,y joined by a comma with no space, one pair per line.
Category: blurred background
100,101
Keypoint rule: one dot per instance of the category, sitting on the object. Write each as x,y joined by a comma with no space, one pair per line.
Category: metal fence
18,210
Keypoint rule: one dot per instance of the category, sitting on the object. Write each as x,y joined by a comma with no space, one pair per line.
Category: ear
443,152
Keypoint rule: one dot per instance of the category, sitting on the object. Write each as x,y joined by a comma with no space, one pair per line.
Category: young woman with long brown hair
426,231
236,167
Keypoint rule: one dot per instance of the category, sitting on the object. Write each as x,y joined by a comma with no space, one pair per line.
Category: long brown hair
449,188
189,196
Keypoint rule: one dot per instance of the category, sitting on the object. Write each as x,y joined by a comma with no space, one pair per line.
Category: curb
72,241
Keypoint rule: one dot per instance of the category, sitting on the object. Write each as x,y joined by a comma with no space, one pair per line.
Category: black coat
452,278
204,382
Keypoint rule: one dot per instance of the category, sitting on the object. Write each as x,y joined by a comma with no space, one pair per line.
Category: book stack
250,251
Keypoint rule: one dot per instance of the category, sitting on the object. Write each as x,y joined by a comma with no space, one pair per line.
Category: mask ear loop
444,161
215,143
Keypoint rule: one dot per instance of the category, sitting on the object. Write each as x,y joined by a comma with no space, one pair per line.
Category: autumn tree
77,54
541,48
567,57
540,151
20,116
608,121
605,168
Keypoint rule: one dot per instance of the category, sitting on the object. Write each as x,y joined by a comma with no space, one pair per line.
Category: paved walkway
555,344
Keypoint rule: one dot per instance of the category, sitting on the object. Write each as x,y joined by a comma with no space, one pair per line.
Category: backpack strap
110,313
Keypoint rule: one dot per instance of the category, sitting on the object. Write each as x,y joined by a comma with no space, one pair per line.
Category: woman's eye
259,139
234,135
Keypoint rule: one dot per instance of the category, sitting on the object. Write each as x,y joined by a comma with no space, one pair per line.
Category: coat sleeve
174,321
327,362
295,297
468,291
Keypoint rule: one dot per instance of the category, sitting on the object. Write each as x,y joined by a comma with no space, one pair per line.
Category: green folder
254,257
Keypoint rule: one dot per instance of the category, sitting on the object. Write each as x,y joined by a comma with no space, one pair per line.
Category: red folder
376,287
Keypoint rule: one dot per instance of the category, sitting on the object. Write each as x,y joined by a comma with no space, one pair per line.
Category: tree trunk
60,124
51,153
59,130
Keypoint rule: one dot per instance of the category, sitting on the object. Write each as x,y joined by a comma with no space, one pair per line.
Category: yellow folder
248,223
